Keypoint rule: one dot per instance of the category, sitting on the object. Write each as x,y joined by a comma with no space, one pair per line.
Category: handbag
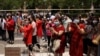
96,39
56,44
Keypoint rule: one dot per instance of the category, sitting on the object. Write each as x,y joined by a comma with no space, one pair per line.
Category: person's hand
7,24
51,28
18,24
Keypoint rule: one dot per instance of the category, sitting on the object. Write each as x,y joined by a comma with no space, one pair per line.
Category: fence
71,12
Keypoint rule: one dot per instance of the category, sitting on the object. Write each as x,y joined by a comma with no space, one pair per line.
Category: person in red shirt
10,28
39,29
76,45
58,33
27,30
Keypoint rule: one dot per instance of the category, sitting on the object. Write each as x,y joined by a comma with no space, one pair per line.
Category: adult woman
34,37
48,23
95,45
58,33
39,29
76,46
10,28
28,31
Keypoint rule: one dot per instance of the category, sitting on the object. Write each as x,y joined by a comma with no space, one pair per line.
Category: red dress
76,46
39,28
28,31
61,49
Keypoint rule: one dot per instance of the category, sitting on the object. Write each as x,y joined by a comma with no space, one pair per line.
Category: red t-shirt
10,24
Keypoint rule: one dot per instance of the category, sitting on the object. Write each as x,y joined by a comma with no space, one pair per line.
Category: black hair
89,22
81,21
60,20
29,20
33,18
9,15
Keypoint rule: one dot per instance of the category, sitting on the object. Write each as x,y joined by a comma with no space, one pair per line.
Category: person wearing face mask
58,34
67,21
76,45
95,22
39,23
27,30
10,28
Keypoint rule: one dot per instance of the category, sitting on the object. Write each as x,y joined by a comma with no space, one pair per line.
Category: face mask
76,21
50,22
56,23
63,20
94,21
26,23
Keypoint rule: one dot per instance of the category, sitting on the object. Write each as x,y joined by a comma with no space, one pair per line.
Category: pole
24,5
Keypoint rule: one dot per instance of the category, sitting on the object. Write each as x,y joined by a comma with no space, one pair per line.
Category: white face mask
63,20
26,22
76,21
50,22
94,21
56,23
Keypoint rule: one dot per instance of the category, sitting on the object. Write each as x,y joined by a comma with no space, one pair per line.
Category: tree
10,4
16,4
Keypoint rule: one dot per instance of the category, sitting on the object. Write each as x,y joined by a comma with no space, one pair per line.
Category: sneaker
35,48
8,41
12,42
30,54
41,49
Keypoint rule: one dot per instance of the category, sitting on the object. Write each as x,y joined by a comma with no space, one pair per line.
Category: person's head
82,21
58,22
76,21
89,22
27,21
33,18
9,16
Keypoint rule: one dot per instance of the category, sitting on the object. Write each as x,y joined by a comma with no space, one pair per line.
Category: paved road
18,42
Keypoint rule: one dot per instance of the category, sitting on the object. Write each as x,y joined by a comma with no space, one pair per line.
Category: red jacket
28,31
10,24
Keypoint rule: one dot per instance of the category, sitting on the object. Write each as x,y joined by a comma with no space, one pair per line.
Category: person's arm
81,29
33,25
69,27
57,33
25,29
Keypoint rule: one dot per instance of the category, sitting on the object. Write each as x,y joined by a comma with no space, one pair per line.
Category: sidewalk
19,43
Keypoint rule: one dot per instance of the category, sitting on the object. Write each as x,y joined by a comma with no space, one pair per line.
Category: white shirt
3,24
66,22
34,28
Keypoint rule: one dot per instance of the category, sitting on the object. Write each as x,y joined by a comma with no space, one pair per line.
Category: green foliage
10,4
16,4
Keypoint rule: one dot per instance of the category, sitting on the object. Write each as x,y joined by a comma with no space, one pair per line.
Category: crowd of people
59,30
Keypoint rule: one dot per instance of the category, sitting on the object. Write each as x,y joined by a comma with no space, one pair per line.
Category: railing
46,9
